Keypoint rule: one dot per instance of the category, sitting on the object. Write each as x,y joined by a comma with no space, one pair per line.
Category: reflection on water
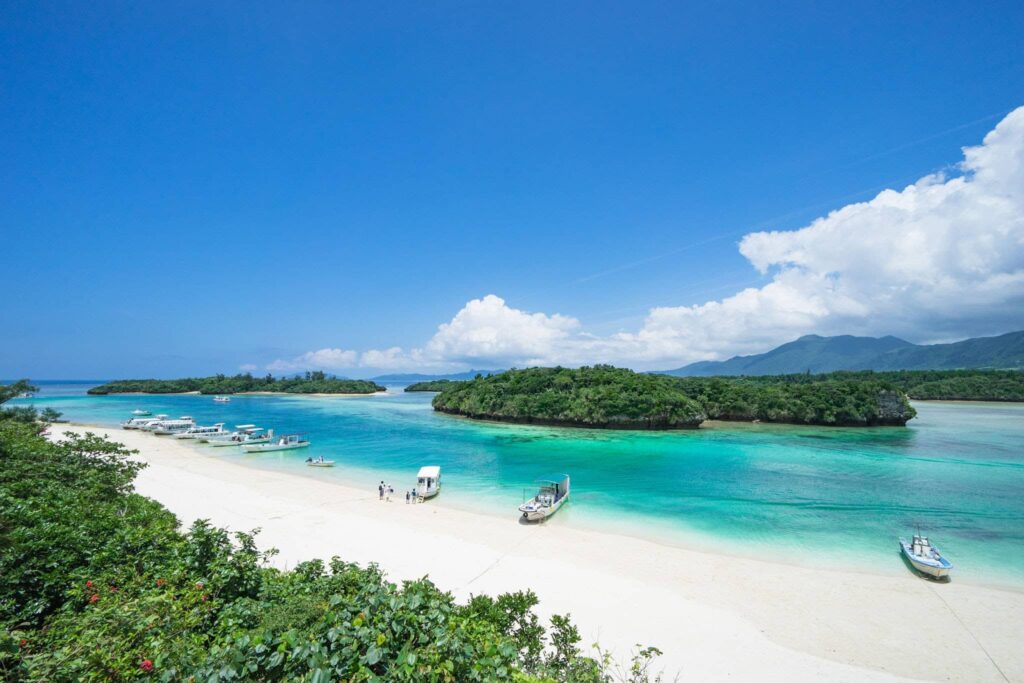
819,495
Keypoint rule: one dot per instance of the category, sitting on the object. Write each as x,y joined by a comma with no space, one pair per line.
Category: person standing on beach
380,491
406,497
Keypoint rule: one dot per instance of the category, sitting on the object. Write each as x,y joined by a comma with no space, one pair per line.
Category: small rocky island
615,398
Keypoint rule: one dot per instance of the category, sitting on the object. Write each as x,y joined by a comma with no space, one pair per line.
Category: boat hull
934,569
221,443
264,448
540,514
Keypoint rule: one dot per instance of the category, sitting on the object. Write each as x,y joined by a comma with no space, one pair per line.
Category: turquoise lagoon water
816,496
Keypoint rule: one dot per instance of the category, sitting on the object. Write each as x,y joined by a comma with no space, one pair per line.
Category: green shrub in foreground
97,584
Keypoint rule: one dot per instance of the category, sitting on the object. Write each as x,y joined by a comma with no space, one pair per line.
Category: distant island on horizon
310,383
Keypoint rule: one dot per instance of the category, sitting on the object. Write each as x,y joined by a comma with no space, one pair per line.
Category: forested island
608,397
310,383
433,385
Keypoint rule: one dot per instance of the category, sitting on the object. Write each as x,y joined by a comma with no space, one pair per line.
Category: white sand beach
715,617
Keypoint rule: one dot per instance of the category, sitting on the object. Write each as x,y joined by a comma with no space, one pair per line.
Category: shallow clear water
810,495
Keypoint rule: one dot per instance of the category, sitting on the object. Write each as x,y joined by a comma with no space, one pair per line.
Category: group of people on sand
385,491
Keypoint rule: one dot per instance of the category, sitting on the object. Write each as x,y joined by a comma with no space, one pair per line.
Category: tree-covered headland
433,385
310,383
608,397
98,583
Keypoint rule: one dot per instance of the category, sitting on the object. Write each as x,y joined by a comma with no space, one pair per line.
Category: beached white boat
428,481
142,422
554,491
138,412
319,462
138,423
168,427
221,399
243,434
925,557
203,432
286,442
153,425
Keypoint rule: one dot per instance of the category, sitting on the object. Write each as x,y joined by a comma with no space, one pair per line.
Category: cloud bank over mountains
941,259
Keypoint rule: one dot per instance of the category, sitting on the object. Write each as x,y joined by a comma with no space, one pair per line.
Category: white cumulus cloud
940,259
324,359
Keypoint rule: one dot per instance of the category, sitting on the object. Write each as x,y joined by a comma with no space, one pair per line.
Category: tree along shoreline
310,383
614,398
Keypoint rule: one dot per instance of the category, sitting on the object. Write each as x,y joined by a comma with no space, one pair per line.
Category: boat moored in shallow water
203,432
243,434
925,557
319,462
138,412
221,399
428,481
287,442
140,422
554,491
168,427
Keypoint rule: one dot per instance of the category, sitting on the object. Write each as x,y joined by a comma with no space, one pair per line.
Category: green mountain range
816,354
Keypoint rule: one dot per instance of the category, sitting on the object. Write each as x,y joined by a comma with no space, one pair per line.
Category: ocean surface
812,496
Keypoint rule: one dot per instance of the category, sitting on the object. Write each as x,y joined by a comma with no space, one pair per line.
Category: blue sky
188,188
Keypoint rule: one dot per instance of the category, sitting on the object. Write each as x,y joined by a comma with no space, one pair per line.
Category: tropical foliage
25,414
800,399
603,396
960,385
97,583
599,396
432,385
310,383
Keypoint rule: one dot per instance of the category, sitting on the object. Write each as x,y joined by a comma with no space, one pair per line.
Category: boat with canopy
428,482
553,493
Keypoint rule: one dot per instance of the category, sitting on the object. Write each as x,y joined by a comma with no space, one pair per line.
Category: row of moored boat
250,437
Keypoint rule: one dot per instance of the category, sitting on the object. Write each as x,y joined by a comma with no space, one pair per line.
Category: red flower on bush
22,643
88,584
94,599
159,583
199,585
205,597
146,665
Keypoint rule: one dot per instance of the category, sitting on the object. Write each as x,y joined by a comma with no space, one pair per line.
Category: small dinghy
319,462
925,557
138,412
